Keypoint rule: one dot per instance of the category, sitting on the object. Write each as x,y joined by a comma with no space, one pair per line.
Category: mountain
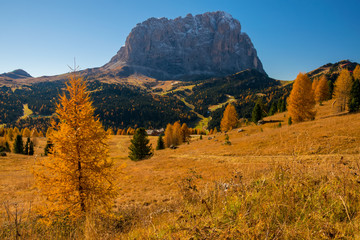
16,74
193,47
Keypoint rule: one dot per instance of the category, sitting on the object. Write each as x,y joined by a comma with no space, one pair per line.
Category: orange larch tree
322,92
342,89
77,178
185,133
169,135
356,73
229,119
301,101
177,133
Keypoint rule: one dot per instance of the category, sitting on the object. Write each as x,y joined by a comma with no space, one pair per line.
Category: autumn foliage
322,92
77,177
342,89
301,101
176,134
229,119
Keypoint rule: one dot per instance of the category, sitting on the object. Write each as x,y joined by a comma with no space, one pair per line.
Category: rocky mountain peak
205,45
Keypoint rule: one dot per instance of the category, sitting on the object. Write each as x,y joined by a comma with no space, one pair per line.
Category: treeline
11,107
305,94
272,100
11,140
116,105
240,85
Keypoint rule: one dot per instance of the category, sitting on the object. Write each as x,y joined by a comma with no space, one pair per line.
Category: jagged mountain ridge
205,45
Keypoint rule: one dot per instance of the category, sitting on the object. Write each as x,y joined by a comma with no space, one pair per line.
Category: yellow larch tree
342,88
77,179
229,119
185,133
314,84
356,73
301,101
169,135
177,133
322,92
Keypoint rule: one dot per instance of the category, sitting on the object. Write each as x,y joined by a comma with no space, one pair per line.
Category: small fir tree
7,147
256,113
48,147
18,145
289,121
31,148
140,148
273,109
26,150
354,101
160,143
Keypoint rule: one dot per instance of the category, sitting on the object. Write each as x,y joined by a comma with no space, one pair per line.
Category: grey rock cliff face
206,45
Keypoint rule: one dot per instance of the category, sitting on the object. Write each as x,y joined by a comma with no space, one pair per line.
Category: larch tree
177,133
185,133
301,101
322,92
229,119
342,89
169,135
315,83
77,179
356,73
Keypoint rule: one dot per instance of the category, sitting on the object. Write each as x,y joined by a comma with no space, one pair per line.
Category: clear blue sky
291,36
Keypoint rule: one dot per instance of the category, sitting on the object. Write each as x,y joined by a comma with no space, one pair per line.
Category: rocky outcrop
206,45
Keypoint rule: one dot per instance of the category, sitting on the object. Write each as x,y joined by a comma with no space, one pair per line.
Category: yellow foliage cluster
229,119
301,101
321,91
342,88
176,134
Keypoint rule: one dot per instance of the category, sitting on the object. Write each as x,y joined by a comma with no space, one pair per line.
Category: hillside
303,177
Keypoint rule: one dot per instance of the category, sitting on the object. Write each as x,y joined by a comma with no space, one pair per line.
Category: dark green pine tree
48,147
273,109
354,101
160,143
31,148
18,145
26,150
280,104
140,148
256,113
283,106
7,147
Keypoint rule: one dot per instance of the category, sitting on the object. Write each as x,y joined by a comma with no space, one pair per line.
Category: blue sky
291,36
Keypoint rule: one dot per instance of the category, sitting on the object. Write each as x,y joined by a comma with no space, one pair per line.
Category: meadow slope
154,193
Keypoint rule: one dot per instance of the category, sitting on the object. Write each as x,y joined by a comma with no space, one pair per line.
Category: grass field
278,182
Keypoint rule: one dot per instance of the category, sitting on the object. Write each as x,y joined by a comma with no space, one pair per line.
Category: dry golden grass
151,192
